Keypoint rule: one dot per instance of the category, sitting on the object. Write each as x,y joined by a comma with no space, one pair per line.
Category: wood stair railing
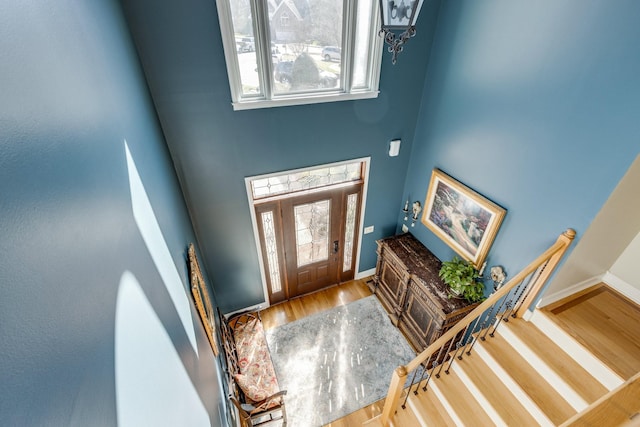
510,301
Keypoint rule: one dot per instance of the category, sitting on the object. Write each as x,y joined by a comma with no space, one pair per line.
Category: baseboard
366,273
563,293
256,307
621,286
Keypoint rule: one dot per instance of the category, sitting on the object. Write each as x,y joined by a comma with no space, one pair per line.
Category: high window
289,52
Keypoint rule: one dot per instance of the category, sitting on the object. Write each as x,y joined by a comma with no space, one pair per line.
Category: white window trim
366,161
267,99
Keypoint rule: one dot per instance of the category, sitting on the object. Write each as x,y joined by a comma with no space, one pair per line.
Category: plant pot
453,293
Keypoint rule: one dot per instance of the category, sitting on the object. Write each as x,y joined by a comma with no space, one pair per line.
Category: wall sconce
498,276
406,210
417,207
398,15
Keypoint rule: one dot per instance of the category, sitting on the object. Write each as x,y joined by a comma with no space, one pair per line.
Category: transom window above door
306,180
291,52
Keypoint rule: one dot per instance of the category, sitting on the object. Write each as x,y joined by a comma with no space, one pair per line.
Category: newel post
393,396
565,240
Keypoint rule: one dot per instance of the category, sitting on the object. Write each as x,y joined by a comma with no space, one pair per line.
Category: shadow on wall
153,386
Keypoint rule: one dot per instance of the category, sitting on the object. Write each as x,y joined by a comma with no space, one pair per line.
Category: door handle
336,247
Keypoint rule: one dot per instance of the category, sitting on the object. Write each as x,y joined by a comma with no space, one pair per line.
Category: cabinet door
392,282
392,286
419,321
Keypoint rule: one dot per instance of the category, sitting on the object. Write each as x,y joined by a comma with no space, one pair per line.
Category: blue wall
535,105
72,93
214,148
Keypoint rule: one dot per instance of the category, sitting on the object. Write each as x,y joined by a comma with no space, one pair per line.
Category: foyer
598,326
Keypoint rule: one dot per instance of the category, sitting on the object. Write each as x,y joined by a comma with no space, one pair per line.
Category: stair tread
460,399
405,418
373,422
588,387
605,375
429,408
499,397
548,399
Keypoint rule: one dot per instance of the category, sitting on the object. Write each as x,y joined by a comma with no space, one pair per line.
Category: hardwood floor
335,296
606,323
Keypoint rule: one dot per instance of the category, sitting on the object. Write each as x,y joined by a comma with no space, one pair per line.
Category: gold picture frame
201,298
462,218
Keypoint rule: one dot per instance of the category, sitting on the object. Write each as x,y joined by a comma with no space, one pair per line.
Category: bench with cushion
253,385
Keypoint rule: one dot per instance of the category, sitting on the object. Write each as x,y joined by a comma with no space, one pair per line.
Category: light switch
368,229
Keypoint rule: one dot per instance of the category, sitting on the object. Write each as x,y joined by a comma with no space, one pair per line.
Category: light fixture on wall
405,210
398,15
416,208
498,276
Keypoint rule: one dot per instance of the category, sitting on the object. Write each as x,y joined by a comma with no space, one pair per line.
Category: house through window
284,19
288,52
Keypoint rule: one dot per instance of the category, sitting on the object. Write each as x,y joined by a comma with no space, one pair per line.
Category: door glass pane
273,263
349,233
312,232
245,46
306,45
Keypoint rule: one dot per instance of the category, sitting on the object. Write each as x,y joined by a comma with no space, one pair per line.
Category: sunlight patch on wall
153,387
152,236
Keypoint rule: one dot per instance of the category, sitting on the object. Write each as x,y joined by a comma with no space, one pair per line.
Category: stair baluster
512,297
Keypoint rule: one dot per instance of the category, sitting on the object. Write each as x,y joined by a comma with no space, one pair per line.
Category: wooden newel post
398,379
565,240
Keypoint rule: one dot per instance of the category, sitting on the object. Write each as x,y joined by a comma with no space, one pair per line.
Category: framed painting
201,299
462,218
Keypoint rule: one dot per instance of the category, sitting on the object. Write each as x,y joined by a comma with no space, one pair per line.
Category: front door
312,241
308,241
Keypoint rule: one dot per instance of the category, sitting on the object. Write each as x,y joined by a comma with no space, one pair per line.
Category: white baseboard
563,293
366,273
621,286
256,307
262,306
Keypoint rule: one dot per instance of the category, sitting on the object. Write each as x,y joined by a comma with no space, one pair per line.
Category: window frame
262,43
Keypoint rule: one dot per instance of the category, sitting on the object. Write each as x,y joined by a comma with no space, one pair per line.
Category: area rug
336,362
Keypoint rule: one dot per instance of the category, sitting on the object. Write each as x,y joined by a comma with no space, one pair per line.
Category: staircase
528,373
494,368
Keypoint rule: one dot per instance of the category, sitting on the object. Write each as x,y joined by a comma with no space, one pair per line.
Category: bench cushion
257,378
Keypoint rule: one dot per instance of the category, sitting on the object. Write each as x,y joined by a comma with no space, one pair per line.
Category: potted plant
462,278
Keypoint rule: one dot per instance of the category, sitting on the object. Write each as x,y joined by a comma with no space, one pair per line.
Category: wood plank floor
317,302
295,309
606,323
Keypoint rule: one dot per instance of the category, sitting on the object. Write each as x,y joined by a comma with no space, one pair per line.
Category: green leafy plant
462,278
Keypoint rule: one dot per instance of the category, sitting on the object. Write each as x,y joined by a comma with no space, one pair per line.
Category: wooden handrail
552,255
618,407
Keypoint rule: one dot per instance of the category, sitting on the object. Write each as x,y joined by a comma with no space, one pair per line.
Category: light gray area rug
336,362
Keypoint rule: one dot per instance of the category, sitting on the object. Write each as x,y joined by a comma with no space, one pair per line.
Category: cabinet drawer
392,259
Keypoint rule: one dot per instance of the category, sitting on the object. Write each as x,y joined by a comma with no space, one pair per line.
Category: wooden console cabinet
408,286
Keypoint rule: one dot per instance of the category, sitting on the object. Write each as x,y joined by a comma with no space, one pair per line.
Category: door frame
366,161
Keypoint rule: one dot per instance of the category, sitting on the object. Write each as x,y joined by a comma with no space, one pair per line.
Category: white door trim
254,221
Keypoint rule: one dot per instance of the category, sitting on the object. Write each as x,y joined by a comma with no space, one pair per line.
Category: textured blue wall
71,92
214,148
536,105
